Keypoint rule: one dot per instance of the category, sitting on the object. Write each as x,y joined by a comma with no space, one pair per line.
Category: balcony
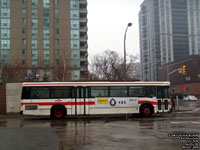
83,48
83,19
83,58
83,2
83,29
84,68
83,38
83,11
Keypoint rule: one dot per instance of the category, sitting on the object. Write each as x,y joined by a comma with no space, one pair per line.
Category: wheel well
147,104
59,105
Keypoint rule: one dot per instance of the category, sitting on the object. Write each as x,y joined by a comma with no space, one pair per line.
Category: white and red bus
59,99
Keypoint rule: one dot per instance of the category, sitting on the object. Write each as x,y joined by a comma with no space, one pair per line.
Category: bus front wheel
146,111
58,112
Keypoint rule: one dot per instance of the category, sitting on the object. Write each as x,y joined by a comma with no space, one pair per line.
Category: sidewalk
187,106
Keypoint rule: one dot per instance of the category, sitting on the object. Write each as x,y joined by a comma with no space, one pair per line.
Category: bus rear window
26,93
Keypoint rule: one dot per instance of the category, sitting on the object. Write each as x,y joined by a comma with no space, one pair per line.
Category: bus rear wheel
146,111
58,112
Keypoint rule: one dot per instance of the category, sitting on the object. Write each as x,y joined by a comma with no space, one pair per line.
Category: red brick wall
187,89
2,98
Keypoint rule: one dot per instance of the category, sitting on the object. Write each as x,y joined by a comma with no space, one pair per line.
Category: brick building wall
2,98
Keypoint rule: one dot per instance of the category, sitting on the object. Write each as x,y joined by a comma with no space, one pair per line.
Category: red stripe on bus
118,83
153,103
62,103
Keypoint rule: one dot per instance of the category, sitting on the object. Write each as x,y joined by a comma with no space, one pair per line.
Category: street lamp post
128,25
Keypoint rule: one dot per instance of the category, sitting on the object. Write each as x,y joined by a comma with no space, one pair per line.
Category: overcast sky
107,21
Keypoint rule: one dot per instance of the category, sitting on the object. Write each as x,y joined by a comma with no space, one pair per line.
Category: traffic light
184,70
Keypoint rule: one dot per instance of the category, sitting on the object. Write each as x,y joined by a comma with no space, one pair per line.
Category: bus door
79,100
163,99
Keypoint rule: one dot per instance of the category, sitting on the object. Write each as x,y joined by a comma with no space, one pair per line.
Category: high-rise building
44,39
169,30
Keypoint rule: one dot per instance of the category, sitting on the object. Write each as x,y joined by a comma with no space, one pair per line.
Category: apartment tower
169,31
44,39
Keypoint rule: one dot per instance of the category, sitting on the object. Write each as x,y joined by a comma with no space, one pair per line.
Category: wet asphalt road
171,131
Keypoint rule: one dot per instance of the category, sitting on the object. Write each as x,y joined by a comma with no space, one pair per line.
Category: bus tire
146,111
58,112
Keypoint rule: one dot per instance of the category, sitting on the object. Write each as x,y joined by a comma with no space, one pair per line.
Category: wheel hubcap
147,111
58,113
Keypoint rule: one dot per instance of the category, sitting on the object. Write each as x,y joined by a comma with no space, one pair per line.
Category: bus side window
136,91
61,92
40,92
99,91
118,91
150,91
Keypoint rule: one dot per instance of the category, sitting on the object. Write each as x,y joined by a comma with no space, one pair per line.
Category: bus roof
96,84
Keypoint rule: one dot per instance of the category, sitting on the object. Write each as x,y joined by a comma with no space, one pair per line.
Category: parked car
190,98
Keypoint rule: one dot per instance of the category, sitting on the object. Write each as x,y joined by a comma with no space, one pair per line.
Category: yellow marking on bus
102,100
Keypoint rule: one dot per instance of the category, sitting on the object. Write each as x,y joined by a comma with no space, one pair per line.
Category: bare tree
110,66
60,71
133,68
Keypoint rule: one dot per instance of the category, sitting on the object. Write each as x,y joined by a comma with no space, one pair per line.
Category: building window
75,75
74,4
5,12
5,3
46,33
57,51
23,51
57,62
34,2
46,44
46,23
24,41
56,11
57,41
4,44
23,30
34,63
75,63
34,44
75,44
56,2
57,31
34,12
24,20
46,12
56,21
46,62
75,54
75,24
23,1
46,3
5,23
23,62
23,10
75,34
5,33
74,14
